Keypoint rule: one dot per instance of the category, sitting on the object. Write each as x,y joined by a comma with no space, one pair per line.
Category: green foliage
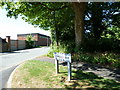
42,14
101,45
62,48
107,15
56,17
112,32
1,4
55,48
95,51
29,42
59,18
107,59
102,21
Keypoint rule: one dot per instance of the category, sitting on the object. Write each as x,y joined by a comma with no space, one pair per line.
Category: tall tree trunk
56,30
79,9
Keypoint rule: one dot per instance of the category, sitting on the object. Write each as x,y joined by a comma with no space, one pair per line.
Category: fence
3,45
17,44
13,45
21,44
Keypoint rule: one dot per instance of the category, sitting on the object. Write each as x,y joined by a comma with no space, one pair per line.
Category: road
8,61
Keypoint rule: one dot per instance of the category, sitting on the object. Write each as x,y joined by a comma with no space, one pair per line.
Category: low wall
17,44
4,47
21,44
14,45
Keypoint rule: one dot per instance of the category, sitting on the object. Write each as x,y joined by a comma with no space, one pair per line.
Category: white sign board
63,57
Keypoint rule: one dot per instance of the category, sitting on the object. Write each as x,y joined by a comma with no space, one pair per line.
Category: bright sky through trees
12,27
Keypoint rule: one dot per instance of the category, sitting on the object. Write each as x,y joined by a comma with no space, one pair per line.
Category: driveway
8,61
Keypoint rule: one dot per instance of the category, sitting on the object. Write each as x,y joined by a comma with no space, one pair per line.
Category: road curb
9,82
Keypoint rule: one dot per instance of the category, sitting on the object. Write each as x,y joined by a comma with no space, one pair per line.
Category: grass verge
39,74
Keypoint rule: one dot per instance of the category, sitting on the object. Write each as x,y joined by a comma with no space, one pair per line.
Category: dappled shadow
92,77
100,71
89,80
79,75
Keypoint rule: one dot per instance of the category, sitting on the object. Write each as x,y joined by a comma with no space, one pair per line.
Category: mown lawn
39,74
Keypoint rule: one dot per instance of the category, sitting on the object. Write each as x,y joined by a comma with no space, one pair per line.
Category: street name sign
63,57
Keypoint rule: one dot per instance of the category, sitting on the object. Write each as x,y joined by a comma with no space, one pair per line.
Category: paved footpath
96,69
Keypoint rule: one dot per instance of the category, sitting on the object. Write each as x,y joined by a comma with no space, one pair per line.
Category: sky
12,27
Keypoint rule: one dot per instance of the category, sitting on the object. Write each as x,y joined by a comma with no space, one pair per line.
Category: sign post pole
69,71
56,67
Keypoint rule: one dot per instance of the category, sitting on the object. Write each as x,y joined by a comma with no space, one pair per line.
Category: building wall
24,37
21,37
39,40
44,41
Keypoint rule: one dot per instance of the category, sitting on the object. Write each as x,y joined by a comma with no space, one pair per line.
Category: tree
79,8
42,14
63,18
29,42
100,16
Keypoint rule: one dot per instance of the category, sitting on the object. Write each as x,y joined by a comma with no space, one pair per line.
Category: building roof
33,34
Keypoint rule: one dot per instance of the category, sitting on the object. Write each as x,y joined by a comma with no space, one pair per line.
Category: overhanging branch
52,9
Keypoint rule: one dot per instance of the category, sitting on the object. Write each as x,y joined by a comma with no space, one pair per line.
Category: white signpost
63,57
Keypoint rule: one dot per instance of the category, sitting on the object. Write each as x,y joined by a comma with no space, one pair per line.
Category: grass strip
39,74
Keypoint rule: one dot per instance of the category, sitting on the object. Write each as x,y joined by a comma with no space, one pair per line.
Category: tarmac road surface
8,61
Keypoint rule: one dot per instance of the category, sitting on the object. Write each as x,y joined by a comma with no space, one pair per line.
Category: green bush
94,51
29,42
109,59
54,48
101,45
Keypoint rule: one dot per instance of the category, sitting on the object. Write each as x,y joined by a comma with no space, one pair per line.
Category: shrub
107,59
29,42
101,45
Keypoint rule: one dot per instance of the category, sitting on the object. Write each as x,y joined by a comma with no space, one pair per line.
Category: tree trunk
56,30
79,9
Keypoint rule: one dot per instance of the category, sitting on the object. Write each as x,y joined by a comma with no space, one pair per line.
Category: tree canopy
51,16
66,19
